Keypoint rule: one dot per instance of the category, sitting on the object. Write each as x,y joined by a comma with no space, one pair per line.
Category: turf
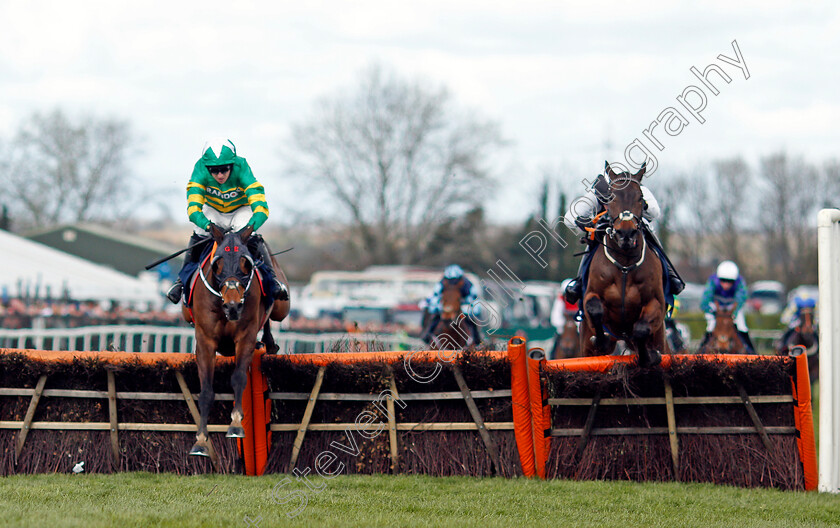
148,500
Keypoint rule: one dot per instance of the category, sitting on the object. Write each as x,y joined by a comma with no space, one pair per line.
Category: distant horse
624,298
229,309
804,334
724,338
453,331
567,343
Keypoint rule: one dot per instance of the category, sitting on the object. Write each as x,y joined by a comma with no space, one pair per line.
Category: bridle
229,284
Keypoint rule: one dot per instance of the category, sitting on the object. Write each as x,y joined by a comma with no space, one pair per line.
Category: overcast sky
570,85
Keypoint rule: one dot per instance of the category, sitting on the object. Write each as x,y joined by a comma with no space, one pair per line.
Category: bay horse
724,338
624,297
567,343
803,334
228,311
452,331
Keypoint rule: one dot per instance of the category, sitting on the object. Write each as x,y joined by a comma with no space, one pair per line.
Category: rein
625,270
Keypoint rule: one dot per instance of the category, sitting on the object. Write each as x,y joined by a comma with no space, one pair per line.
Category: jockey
581,214
726,288
453,274
562,308
791,314
224,192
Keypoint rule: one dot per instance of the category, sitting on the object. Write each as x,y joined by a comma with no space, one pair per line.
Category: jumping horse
567,343
452,331
228,309
803,334
724,338
624,298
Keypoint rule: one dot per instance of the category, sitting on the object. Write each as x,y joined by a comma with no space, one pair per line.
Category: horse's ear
245,233
216,232
608,170
638,175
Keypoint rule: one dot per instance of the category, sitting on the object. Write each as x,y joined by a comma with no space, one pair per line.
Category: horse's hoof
235,432
199,450
654,358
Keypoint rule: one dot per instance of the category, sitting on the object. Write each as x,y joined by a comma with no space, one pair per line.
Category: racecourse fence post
672,427
521,405
307,416
30,414
185,390
828,236
489,445
112,415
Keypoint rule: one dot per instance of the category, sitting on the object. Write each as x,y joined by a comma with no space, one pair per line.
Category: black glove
583,222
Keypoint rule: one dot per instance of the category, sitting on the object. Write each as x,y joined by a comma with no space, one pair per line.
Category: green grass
147,500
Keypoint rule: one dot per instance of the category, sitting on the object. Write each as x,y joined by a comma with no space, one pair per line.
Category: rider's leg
574,290
260,250
710,326
674,279
192,255
676,338
743,332
430,328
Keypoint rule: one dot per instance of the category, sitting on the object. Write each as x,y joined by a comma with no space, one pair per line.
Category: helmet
805,302
453,271
727,270
218,152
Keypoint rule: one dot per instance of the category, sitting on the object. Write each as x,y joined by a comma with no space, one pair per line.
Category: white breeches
740,322
235,220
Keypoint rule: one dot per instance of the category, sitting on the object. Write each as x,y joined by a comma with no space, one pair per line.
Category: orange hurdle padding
261,415
540,411
246,445
521,404
174,359
427,356
605,363
804,421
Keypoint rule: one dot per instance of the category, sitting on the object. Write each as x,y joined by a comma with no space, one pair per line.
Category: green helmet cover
218,152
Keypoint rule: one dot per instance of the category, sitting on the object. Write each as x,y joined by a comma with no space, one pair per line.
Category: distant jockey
223,191
583,212
792,312
561,309
726,288
453,275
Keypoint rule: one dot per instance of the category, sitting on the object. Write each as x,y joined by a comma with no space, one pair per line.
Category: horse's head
451,299
233,269
725,334
625,208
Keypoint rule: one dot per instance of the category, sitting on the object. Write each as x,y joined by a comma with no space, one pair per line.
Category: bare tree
398,157
789,202
732,178
65,171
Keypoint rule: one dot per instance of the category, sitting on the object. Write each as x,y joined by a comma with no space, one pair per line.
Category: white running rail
828,235
181,339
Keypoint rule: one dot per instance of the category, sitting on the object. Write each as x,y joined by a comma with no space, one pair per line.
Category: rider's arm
557,318
255,193
586,206
196,189
652,212
740,295
434,302
706,302
471,293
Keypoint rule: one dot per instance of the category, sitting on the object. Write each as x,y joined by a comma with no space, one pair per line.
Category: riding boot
676,338
426,336
192,255
674,280
279,290
705,340
574,290
745,337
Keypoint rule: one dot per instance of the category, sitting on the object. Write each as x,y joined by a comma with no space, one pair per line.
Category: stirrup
175,291
573,291
281,293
